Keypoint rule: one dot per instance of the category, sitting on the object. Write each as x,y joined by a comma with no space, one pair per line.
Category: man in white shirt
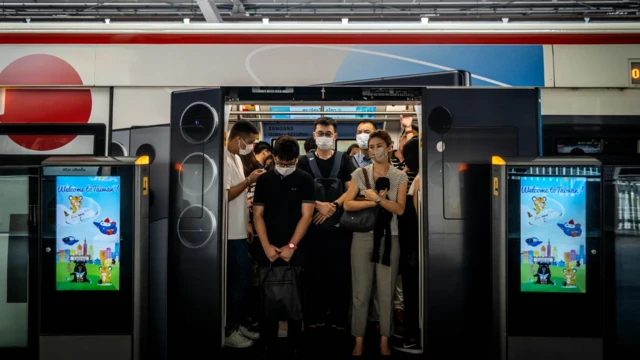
241,138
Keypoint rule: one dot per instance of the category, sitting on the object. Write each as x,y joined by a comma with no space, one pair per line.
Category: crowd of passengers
276,218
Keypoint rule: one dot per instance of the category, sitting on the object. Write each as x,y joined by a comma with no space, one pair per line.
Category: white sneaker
236,340
251,335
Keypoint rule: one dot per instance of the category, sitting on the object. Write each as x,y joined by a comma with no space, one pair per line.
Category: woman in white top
376,251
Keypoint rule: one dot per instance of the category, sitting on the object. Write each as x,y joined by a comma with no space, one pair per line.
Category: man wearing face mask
329,245
283,208
363,158
240,142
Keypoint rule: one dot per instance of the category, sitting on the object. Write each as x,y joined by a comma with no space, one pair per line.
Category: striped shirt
400,165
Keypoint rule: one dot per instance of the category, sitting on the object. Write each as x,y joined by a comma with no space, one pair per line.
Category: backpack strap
313,164
337,162
354,162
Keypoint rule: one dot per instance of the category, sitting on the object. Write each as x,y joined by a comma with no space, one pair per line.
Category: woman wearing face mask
378,252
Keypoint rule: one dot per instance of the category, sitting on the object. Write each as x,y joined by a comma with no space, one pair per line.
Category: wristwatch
336,204
378,201
292,246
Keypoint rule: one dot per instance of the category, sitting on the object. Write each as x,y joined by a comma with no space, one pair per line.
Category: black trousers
328,284
410,287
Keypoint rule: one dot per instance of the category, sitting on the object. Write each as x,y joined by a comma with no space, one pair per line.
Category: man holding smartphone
241,138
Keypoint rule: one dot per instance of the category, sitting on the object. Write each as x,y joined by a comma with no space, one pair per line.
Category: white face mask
362,140
247,150
285,171
380,154
324,143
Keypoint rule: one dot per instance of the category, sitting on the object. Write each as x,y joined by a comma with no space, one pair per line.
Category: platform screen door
18,244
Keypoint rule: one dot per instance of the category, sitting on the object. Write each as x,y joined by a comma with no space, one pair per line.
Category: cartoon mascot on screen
543,275
105,276
79,274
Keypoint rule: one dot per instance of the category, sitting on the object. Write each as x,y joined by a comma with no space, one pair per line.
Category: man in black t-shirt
329,267
282,211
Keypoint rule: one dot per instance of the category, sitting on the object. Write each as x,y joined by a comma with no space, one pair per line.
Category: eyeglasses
285,165
324,134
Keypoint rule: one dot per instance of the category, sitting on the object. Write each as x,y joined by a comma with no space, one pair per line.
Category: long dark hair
249,163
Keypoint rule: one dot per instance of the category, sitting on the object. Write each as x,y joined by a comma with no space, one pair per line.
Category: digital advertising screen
553,234
87,236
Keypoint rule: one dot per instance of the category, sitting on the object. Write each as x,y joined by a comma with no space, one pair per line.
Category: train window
343,144
466,158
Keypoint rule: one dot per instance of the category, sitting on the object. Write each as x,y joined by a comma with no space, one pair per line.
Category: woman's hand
371,195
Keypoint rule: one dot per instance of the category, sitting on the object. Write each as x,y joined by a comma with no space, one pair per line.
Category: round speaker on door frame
207,161
147,149
120,150
440,120
198,115
203,216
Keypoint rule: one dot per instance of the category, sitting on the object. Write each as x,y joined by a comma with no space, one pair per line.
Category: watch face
292,246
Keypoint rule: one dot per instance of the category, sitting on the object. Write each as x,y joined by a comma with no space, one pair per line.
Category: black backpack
328,189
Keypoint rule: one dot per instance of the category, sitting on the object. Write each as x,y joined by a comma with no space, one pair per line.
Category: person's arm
261,228
308,201
350,202
416,192
303,223
235,191
345,166
259,198
396,207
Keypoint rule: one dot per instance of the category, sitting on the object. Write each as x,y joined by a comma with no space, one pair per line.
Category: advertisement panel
87,236
553,234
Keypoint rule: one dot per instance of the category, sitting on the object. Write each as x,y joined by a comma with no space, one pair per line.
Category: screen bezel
103,288
522,317
118,304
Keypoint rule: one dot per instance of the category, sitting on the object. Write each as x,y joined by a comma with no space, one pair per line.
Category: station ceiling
319,10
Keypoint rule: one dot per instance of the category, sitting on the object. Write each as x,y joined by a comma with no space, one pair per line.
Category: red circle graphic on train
43,105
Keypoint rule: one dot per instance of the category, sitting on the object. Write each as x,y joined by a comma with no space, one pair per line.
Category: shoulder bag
361,221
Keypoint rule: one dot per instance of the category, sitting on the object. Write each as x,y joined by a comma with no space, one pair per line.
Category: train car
123,76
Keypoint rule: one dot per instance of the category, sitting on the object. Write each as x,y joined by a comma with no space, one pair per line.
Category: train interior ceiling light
340,12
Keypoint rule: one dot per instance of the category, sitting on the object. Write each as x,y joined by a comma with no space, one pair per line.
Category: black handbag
281,293
361,221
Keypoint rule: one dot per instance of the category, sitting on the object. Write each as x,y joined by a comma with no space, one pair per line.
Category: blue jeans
238,281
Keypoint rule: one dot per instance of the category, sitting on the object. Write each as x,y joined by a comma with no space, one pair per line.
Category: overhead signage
351,109
315,109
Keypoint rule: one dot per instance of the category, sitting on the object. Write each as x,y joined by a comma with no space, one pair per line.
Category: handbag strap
366,178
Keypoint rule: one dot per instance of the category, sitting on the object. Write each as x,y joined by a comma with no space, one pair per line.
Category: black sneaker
409,347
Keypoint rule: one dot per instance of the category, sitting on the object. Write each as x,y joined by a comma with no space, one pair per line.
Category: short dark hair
367,122
310,144
353,146
262,146
243,128
286,148
411,154
381,134
325,121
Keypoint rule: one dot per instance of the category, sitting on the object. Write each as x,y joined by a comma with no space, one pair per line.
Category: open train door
461,129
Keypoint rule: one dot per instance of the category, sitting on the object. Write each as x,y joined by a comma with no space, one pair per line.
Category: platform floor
323,342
